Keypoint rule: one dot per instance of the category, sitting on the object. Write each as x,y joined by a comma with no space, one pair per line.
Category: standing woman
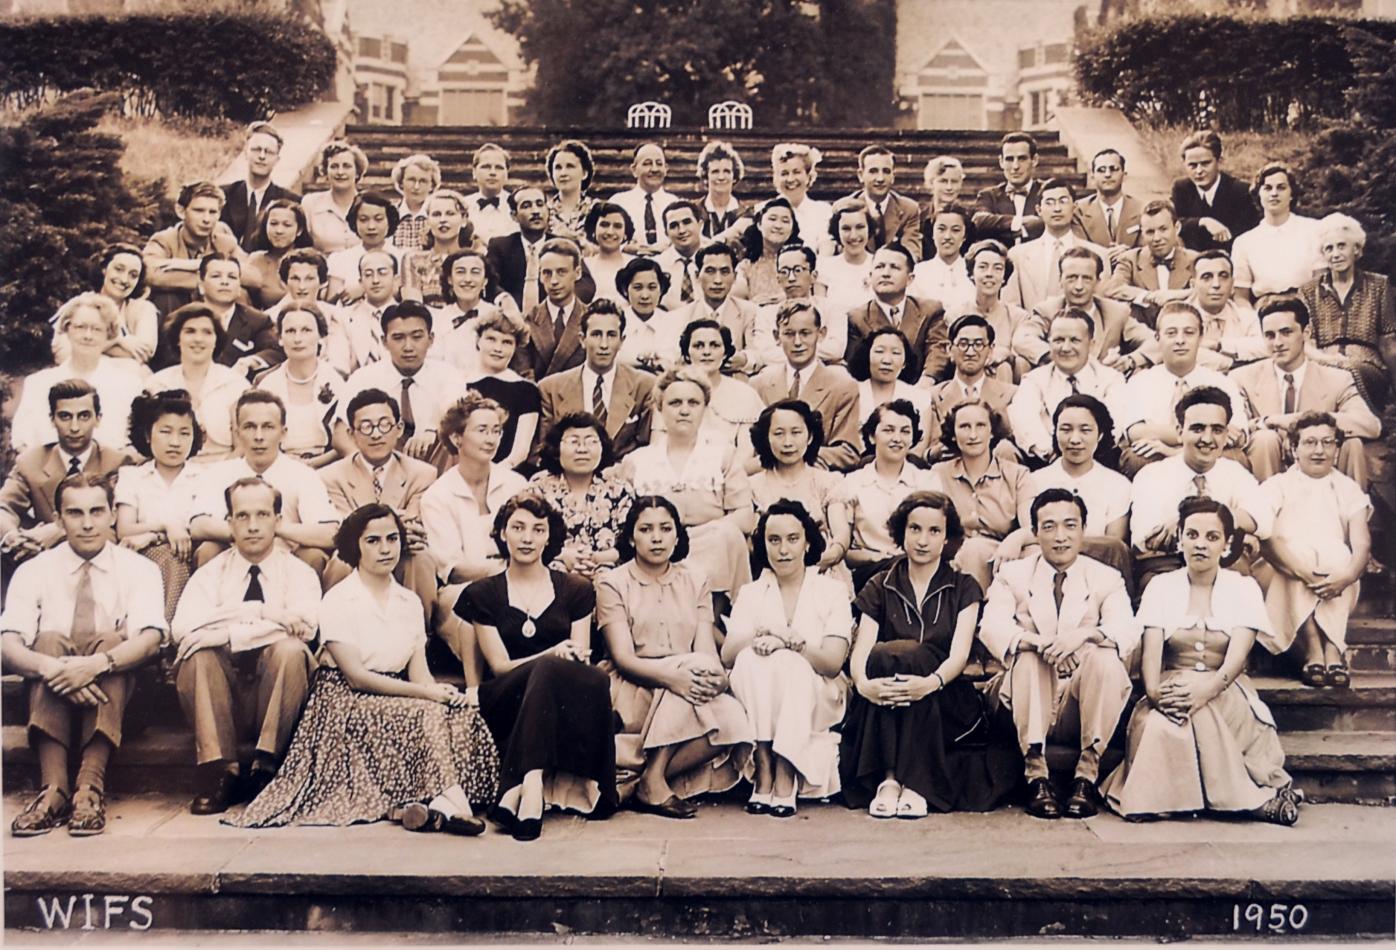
155,499
309,387
1203,739
449,230
845,272
281,227
703,481
497,337
719,169
379,738
414,178
570,169
915,734
341,165
989,268
121,277
945,179
549,710
195,334
773,228
373,217
793,168
786,643
734,405
684,734
886,368
608,229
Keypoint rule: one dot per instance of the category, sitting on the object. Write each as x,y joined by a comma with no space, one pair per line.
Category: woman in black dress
549,710
917,736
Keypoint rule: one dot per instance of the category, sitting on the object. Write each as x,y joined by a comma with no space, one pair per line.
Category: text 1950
1276,918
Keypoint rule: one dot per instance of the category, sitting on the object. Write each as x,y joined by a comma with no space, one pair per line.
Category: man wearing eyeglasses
971,345
1037,263
1109,217
795,268
378,472
247,198
1288,384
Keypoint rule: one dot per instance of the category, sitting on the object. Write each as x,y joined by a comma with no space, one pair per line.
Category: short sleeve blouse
662,614
486,602
386,635
888,599
1236,602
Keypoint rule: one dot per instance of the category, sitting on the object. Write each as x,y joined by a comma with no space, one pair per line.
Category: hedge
1228,72
241,66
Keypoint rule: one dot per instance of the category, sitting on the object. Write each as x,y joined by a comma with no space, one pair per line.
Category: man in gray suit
891,217
1109,217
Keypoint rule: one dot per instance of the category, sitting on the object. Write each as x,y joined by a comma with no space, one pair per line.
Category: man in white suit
1037,263
1062,625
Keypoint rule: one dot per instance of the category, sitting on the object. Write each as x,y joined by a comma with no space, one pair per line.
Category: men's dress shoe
39,820
215,798
527,829
418,817
256,782
1042,800
671,807
1084,801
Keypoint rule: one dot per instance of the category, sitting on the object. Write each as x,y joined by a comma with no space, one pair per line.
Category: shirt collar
1298,375
101,561
589,375
363,462
1210,193
83,459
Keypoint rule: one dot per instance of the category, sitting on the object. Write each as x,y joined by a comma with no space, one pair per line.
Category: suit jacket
26,498
901,222
1121,329
1020,601
1325,389
235,215
993,213
350,485
509,265
1137,268
1232,206
832,393
628,415
947,395
923,322
1033,280
250,333
545,354
1090,222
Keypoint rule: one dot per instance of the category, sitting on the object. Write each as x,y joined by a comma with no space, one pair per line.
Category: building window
399,52
370,47
942,110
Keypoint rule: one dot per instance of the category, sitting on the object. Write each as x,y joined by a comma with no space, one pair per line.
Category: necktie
254,585
74,468
795,386
530,287
651,229
377,482
598,402
894,315
409,419
559,324
457,321
1290,395
686,291
84,626
1053,275
1180,389
879,226
1110,223
250,228
1200,483
484,202
1058,589
1075,389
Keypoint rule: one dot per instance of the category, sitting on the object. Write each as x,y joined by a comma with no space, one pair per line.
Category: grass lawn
178,150
1243,153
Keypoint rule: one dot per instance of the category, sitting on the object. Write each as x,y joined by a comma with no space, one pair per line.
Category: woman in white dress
733,405
1319,547
608,229
121,276
786,644
309,387
845,272
651,341
1281,252
886,368
943,275
195,334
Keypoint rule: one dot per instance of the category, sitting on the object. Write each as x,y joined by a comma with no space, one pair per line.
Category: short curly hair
550,451
351,531
536,505
901,407
625,538
600,210
706,323
937,501
998,428
814,540
187,313
148,408
761,431
453,420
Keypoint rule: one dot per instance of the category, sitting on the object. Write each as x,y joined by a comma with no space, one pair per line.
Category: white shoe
884,804
910,804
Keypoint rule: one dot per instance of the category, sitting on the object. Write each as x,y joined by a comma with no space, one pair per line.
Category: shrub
241,66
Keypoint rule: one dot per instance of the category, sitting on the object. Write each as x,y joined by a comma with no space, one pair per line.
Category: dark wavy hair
1201,505
634,268
1103,421
761,431
110,253
550,452
707,323
537,506
193,311
860,363
378,199
1050,496
146,410
998,428
902,408
753,245
937,501
1310,420
625,538
760,559
474,251
351,531
303,239
598,211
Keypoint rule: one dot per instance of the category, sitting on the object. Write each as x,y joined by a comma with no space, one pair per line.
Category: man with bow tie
488,205
892,217
1159,271
1062,625
1008,212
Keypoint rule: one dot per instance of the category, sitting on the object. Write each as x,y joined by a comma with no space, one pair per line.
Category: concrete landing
829,870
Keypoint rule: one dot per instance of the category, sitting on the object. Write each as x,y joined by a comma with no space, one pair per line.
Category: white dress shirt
1151,394
127,592
457,533
385,634
659,334
1160,486
492,222
304,499
214,597
1105,492
1236,328
633,201
1042,389
608,383
435,388
673,263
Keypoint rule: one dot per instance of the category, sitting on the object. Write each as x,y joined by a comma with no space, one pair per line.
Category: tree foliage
789,60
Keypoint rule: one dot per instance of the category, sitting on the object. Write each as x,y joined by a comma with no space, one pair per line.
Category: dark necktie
74,467
651,228
409,419
457,321
879,225
795,386
559,324
1058,589
84,626
484,202
254,585
598,402
1075,389
686,291
1291,397
1110,223
1200,483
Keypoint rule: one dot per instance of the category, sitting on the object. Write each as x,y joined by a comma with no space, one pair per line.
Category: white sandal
884,804
910,804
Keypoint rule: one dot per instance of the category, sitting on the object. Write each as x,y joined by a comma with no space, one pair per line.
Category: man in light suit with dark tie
892,217
1062,625
249,197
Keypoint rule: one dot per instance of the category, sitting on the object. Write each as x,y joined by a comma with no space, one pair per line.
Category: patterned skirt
174,571
356,755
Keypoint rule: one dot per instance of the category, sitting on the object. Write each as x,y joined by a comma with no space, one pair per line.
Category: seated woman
651,341
309,387
608,229
379,738
846,273
787,438
196,334
281,228
1202,740
154,500
734,405
886,368
703,481
773,227
497,337
990,493
786,642
548,709
456,326
373,217
577,479
916,733
1319,547
684,734
341,165
989,269
571,170
121,276
874,491
449,229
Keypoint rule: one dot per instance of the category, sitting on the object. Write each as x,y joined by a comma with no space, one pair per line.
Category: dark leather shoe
216,797
504,818
36,819
671,807
1042,800
1084,801
527,829
256,782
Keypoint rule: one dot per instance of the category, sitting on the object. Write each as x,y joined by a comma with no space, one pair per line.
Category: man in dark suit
891,217
513,258
1008,212
555,325
616,394
250,344
1109,217
922,321
1212,206
247,199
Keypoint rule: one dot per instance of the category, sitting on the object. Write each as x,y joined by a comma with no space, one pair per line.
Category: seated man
1114,330
1282,388
1036,271
363,320
1007,212
1158,272
1213,207
1062,625
172,256
555,325
893,218
29,523
306,522
646,202
241,630
78,618
514,257
1230,329
971,344
921,321
828,390
1204,420
378,473
795,268
1146,420
1069,370
250,344
717,273
1108,216
616,394
684,228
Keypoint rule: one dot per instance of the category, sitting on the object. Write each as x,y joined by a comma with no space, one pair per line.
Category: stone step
1369,705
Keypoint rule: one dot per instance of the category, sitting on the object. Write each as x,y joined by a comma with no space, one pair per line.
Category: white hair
1342,225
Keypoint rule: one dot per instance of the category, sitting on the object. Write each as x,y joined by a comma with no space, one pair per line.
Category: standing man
247,198
489,205
683,226
1008,212
645,203
891,217
1036,264
1213,207
1109,217
921,321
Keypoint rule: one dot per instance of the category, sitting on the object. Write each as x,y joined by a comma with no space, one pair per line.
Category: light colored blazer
627,416
1325,389
350,485
832,393
1116,325
26,499
1090,222
1030,283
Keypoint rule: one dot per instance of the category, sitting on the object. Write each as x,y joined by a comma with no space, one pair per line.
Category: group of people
872,498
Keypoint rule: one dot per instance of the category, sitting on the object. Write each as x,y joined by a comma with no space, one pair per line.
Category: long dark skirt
555,715
941,747
356,755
